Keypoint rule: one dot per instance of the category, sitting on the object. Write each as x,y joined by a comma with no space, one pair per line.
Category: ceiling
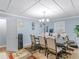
35,8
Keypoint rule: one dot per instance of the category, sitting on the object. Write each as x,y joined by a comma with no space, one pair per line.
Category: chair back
51,43
42,41
32,39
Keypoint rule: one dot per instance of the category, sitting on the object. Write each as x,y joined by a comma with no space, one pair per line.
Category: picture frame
33,26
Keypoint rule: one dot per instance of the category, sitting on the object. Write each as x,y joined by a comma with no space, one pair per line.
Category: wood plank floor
75,55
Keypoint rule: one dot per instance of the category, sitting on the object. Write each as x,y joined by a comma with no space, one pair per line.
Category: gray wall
3,31
25,27
12,40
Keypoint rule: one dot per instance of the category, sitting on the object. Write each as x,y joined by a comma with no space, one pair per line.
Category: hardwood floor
41,55
75,55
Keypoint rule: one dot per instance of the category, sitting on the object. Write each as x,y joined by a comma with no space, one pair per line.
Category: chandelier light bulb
43,20
47,20
40,20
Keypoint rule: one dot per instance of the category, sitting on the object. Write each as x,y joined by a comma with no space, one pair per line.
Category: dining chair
52,48
35,43
32,41
66,41
42,41
64,45
43,44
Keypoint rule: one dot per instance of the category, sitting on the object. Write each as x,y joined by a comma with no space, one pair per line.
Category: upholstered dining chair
42,41
35,42
63,43
43,44
52,48
32,41
67,41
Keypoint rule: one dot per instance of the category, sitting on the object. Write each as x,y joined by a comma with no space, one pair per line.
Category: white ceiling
35,8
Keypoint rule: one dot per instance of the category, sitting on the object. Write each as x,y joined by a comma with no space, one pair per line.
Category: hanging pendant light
44,19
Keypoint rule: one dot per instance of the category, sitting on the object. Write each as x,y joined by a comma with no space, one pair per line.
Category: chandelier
44,18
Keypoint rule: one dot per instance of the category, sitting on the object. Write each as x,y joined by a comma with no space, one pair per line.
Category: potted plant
77,30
